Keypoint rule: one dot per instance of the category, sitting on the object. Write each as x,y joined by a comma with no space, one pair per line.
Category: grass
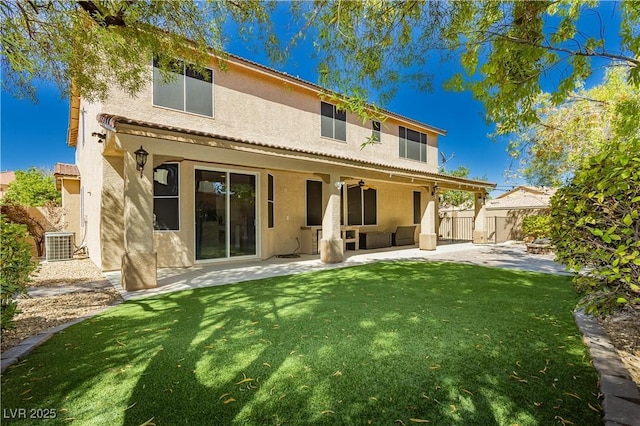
387,343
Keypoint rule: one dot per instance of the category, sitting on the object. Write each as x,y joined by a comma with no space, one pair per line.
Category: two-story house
246,163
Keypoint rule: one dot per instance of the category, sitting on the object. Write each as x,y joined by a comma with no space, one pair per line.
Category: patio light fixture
361,183
434,190
101,136
141,159
339,184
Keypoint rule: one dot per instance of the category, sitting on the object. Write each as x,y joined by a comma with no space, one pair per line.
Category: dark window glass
165,212
314,203
417,211
270,206
354,205
333,122
375,131
189,90
166,197
370,210
412,144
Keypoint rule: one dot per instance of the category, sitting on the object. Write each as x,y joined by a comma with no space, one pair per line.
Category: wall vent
58,246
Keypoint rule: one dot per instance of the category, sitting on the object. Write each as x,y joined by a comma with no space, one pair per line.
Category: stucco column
428,235
331,244
139,261
480,235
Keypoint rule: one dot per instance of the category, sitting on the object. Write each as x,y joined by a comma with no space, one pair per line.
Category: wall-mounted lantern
434,189
141,159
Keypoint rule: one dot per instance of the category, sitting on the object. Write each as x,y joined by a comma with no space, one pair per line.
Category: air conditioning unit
58,246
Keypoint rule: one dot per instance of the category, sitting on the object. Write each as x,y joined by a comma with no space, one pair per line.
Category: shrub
596,229
537,226
16,265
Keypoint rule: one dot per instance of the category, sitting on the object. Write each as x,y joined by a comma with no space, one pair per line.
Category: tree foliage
508,49
551,149
33,188
536,226
596,226
102,44
461,199
16,265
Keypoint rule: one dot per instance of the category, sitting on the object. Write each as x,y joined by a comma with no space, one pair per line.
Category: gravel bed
76,271
41,313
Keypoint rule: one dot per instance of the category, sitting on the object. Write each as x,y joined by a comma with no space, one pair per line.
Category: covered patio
507,255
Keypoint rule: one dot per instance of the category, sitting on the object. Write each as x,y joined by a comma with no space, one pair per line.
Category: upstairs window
412,144
375,131
189,91
333,122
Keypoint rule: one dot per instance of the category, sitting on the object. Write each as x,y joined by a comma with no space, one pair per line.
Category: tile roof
7,177
63,169
523,197
109,122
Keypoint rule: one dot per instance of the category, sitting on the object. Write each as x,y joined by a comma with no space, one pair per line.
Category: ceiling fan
361,183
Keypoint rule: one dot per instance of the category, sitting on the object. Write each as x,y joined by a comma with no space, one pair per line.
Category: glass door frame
228,171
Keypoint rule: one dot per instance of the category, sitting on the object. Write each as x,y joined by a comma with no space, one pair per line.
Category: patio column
139,261
331,244
428,236
480,234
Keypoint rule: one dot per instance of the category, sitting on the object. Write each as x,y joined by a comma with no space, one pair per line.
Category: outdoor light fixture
141,159
434,190
101,136
481,199
339,184
361,183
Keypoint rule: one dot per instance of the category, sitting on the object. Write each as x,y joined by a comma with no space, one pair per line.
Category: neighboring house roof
6,178
110,122
523,197
62,169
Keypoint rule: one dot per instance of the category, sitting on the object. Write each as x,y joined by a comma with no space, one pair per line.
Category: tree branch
103,20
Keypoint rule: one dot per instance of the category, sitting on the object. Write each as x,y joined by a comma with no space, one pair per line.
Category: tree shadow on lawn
382,343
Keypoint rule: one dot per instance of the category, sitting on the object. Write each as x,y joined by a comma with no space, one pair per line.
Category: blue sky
35,134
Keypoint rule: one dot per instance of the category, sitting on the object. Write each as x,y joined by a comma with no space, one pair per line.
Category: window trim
306,201
170,197
404,139
271,207
258,223
376,132
333,122
184,92
417,208
362,207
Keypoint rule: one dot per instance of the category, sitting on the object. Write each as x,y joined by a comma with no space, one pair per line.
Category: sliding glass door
225,214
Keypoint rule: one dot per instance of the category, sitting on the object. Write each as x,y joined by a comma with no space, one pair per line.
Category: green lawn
388,343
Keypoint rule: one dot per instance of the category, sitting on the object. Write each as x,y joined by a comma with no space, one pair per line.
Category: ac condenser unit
58,246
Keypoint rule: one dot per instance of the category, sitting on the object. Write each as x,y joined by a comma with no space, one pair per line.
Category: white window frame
404,140
227,259
184,92
334,119
170,197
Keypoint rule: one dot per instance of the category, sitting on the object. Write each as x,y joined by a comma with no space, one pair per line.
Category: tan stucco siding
112,220
90,163
70,190
254,106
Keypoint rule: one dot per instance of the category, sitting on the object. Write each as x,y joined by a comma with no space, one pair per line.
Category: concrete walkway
621,398
508,255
